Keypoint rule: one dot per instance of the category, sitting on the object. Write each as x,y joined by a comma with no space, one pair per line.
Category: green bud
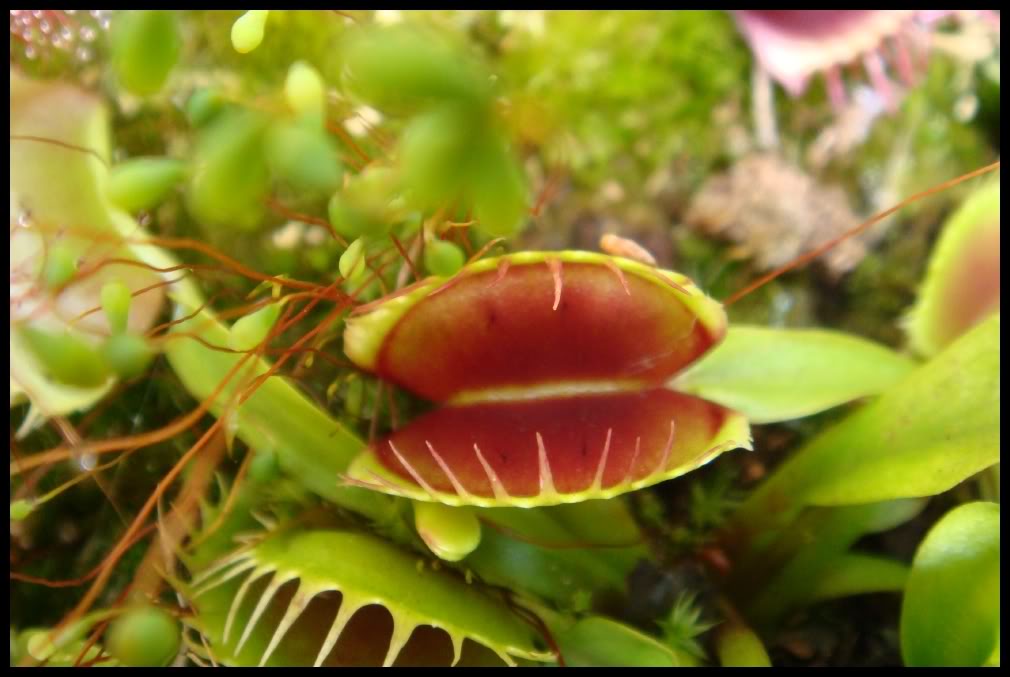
264,467
247,31
116,300
203,105
305,156
451,533
367,205
145,46
144,637
250,331
61,265
128,354
347,221
499,189
738,646
20,509
401,69
66,358
231,179
59,647
305,91
435,151
352,261
443,258
142,183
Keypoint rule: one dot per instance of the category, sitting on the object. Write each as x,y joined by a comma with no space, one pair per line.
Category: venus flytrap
60,214
934,428
247,31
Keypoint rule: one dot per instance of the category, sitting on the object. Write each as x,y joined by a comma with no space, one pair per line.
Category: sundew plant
526,338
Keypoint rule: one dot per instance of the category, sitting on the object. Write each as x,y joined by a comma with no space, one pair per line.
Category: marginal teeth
402,630
457,648
244,563
261,606
546,478
219,565
456,484
598,480
555,266
295,609
344,614
239,596
211,583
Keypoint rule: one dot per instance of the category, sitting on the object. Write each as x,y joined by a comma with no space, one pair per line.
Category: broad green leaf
933,430
779,374
808,560
595,543
962,284
858,574
59,150
595,641
951,611
739,647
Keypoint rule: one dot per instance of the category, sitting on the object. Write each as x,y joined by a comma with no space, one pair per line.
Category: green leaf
857,574
600,642
144,182
798,566
145,46
400,69
739,647
595,543
64,184
933,430
962,284
951,611
276,418
779,374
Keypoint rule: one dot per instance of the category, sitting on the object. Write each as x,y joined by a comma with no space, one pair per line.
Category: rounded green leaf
247,31
61,264
499,189
595,641
66,358
230,180
951,611
304,156
399,69
779,374
249,331
739,647
145,47
202,106
127,354
144,637
305,91
435,153
443,258
142,183
450,533
352,261
116,300
20,509
368,204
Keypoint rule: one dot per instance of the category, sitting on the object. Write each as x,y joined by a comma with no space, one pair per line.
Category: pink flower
793,45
